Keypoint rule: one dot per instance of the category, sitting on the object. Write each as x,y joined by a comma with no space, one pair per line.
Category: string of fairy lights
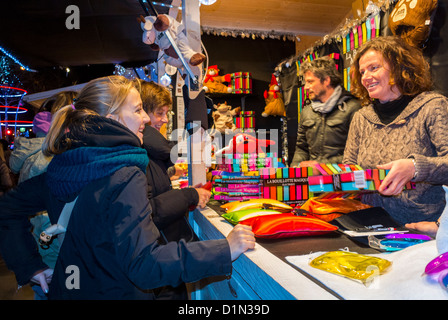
11,95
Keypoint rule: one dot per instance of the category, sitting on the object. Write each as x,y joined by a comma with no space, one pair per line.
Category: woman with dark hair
401,128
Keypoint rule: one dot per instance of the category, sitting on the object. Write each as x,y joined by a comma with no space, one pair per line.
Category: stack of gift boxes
237,175
235,186
297,185
289,185
340,178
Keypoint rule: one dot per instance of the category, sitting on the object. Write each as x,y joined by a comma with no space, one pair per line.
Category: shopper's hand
180,171
401,172
426,227
43,278
240,239
204,197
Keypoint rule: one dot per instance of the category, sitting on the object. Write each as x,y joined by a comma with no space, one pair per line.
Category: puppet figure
412,20
214,83
274,100
245,143
223,117
153,35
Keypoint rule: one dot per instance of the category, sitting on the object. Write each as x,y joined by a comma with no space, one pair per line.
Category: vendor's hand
401,172
240,239
43,278
426,227
312,164
204,197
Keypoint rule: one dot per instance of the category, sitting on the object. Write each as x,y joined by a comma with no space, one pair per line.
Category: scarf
72,170
387,112
327,106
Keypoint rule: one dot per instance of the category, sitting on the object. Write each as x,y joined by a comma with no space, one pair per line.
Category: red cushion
287,225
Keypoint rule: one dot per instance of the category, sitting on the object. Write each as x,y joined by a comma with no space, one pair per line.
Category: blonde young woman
111,243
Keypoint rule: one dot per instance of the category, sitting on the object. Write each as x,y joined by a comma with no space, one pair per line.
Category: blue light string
6,53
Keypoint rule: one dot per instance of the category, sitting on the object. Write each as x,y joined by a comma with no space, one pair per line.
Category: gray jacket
321,137
27,158
420,131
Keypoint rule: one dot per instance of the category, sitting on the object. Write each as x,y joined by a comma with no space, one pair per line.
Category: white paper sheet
403,281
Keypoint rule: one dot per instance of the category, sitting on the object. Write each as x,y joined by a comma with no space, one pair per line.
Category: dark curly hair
410,72
322,68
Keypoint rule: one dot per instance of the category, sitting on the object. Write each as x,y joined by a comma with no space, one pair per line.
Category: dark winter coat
170,206
111,245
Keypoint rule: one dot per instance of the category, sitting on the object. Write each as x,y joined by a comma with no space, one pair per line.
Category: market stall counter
278,269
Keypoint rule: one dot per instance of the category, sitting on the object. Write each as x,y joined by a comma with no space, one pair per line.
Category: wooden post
191,21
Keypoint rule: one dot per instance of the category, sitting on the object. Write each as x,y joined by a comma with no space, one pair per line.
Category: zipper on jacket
322,140
232,290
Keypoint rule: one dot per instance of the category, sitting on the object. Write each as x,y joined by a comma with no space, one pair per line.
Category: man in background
325,119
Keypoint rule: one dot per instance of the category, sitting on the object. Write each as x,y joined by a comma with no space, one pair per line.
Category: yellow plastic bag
352,265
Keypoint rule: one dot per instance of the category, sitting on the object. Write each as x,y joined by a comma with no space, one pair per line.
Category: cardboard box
337,177
241,82
288,185
245,119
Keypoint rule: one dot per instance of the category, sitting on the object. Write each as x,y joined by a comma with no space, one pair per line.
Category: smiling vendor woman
403,128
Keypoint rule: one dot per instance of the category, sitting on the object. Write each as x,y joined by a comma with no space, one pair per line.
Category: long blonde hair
99,97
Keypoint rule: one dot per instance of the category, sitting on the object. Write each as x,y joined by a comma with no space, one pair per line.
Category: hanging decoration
412,21
147,73
250,34
347,27
16,60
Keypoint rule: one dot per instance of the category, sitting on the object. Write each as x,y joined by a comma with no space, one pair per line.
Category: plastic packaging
235,217
352,265
287,225
408,236
442,233
396,242
438,264
330,209
438,269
